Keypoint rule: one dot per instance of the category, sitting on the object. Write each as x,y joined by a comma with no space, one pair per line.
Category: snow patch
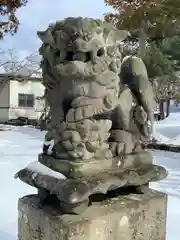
168,130
174,141
50,145
38,167
160,138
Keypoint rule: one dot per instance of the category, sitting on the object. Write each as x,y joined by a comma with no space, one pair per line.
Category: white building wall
4,101
25,87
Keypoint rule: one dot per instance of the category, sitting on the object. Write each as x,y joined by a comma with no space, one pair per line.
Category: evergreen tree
151,20
171,48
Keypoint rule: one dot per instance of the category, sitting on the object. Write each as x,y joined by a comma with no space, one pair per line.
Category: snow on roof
18,77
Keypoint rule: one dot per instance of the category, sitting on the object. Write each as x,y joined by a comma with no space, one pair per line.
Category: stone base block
129,217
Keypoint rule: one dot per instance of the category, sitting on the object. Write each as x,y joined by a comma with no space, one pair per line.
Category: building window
26,100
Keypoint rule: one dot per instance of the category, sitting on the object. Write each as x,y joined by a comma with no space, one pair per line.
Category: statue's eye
100,52
75,36
57,53
87,37
70,56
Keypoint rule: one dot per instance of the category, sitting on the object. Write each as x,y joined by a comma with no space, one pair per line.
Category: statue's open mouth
84,56
83,64
79,56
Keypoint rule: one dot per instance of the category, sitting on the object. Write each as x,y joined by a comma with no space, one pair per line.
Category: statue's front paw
84,112
117,148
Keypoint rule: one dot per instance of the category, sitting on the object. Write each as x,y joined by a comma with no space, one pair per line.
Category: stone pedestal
127,217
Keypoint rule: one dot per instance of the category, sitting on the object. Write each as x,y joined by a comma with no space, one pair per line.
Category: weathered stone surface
74,191
131,217
101,109
89,167
92,111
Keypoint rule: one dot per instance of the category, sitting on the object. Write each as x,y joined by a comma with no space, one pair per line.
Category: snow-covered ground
21,145
171,186
18,147
168,130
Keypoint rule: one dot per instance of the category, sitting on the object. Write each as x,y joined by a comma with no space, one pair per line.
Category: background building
19,97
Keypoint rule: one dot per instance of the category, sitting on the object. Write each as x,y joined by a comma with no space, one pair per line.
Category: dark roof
18,77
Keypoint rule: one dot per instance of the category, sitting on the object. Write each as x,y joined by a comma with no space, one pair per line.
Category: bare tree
11,63
165,88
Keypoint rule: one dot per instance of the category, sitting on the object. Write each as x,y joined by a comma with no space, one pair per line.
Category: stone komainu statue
101,109
94,95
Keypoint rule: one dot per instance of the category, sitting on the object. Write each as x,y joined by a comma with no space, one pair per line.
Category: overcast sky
39,13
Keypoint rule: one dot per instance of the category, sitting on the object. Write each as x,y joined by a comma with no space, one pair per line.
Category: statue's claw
117,148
